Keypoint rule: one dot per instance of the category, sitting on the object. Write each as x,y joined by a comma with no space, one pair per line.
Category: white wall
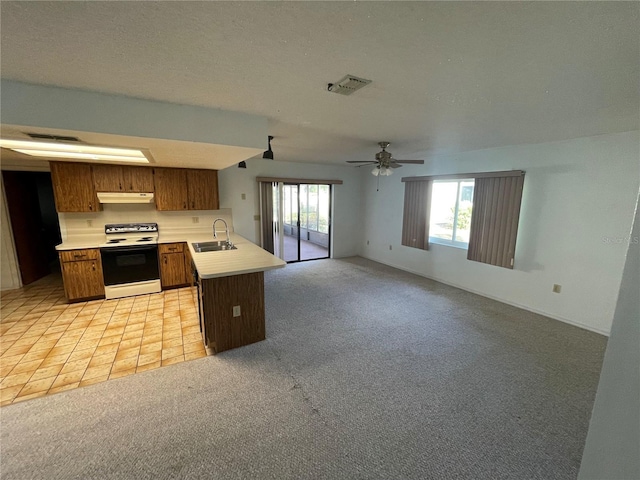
577,210
613,441
233,182
10,278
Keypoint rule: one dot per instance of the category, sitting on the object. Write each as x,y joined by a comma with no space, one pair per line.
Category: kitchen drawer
170,248
76,255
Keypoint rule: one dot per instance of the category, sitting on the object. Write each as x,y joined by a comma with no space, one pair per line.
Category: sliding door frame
298,229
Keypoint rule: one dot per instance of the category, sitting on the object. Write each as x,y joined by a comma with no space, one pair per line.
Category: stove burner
116,240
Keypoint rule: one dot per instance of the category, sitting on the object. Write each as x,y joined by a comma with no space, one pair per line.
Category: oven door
123,265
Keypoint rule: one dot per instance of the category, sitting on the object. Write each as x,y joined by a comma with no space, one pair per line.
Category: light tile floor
48,345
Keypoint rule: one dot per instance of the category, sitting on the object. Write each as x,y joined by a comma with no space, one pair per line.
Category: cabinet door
170,188
73,187
107,178
203,189
138,179
82,279
172,271
188,266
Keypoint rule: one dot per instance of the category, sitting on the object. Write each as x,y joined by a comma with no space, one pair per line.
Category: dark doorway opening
34,221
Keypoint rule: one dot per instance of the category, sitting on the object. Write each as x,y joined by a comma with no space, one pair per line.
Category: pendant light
268,154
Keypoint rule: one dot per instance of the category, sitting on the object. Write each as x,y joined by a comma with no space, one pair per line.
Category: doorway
296,220
305,221
34,221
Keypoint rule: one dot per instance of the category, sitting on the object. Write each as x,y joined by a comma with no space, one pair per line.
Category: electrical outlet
256,217
195,219
89,223
243,196
390,247
236,311
557,288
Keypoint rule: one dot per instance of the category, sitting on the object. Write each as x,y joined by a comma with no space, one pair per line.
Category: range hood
118,197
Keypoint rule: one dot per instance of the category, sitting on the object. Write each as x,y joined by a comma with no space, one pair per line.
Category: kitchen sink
213,246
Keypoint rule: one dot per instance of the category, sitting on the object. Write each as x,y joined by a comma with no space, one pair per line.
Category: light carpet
367,372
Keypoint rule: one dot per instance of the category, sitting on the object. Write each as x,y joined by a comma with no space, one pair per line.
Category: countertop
247,258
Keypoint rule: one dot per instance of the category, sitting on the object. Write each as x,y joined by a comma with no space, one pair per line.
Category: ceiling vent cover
348,85
56,138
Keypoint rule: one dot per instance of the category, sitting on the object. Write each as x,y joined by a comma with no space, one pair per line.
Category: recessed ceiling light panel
75,151
348,85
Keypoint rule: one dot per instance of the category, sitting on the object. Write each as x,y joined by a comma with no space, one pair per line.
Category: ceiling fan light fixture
268,154
382,171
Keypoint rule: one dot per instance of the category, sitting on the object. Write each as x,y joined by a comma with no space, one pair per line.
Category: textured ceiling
447,76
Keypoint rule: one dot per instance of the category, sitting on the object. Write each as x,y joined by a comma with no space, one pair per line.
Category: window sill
458,245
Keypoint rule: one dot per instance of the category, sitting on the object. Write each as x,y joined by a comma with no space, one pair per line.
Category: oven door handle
128,249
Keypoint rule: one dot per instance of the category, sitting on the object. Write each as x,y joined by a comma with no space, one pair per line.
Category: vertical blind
494,221
415,217
266,214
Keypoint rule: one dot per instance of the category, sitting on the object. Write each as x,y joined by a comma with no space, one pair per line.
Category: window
439,209
314,207
450,216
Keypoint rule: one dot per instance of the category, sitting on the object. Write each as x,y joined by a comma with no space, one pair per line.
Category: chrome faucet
226,229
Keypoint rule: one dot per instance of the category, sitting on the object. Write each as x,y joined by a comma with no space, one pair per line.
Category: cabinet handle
165,259
184,205
79,256
193,205
131,187
120,186
90,206
172,248
93,267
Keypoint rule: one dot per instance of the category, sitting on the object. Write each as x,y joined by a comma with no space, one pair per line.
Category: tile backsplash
83,224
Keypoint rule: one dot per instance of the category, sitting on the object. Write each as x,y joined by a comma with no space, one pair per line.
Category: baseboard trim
497,299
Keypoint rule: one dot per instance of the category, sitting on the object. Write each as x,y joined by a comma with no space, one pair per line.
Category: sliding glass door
305,221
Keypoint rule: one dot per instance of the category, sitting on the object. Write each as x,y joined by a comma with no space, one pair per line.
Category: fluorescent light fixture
76,152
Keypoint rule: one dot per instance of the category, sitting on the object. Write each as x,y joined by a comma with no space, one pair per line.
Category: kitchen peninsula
230,283
231,293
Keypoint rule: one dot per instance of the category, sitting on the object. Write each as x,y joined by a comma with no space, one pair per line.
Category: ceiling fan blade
361,161
417,162
394,165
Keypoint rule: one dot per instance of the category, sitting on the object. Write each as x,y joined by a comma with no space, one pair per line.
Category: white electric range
130,259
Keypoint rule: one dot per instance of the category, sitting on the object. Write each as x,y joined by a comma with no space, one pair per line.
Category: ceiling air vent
55,138
348,85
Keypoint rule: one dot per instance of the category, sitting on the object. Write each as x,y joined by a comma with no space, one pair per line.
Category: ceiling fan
384,162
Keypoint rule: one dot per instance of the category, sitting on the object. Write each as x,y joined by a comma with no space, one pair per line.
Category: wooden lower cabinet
82,274
222,330
173,265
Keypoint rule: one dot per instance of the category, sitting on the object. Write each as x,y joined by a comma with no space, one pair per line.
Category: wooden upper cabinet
170,189
116,178
73,187
203,189
137,179
185,189
108,178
